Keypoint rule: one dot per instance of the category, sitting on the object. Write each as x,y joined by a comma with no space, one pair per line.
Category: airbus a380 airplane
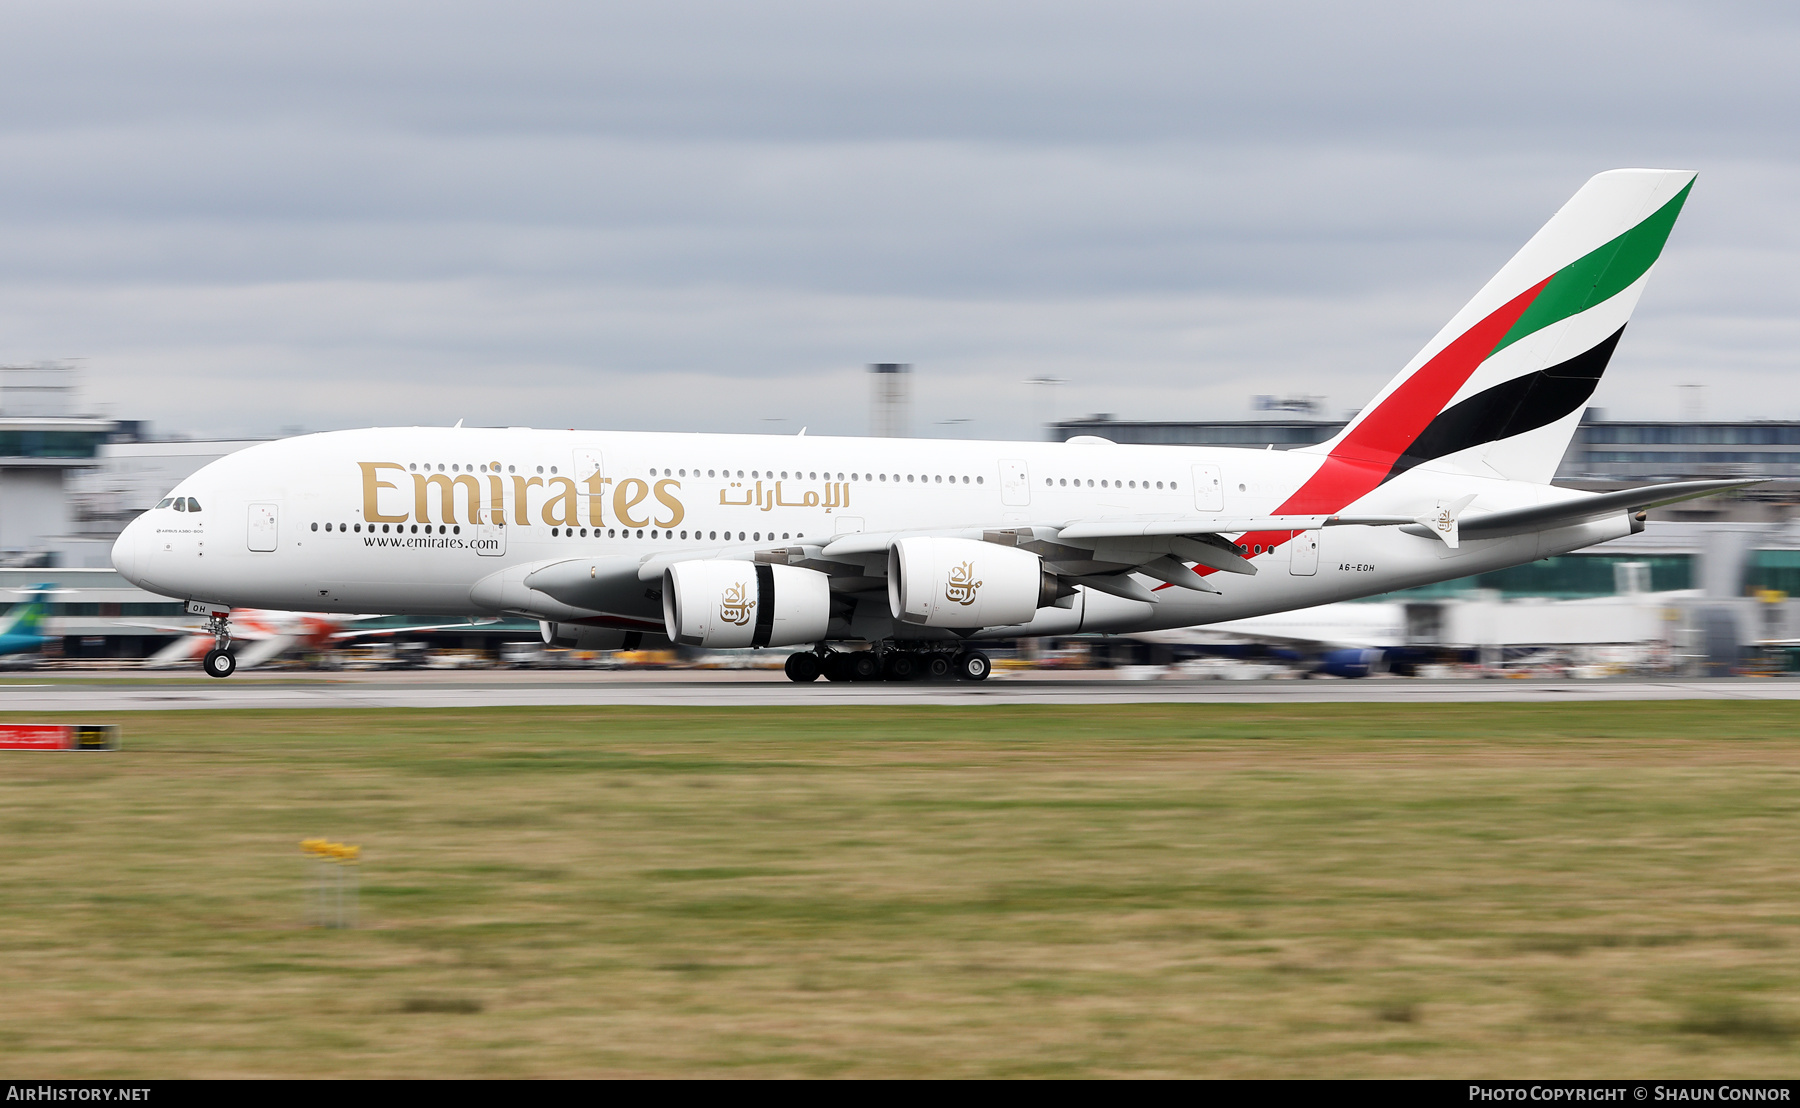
923,548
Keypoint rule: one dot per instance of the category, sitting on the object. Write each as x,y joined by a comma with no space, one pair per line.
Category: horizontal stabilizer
1543,517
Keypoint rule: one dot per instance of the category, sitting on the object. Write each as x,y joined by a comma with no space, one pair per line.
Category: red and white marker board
59,736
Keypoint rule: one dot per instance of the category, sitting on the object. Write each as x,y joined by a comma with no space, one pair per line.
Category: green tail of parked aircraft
23,631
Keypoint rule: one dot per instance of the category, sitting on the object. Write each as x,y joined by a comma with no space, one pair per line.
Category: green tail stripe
1598,276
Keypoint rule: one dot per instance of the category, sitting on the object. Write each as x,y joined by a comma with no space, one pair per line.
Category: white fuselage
447,521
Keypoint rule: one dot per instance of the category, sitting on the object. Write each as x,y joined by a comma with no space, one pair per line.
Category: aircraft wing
372,631
1120,527
262,650
240,633
1105,554
171,628
1101,554
1326,627
184,649
1215,525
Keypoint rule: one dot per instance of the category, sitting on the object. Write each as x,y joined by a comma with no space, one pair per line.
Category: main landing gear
219,661
889,665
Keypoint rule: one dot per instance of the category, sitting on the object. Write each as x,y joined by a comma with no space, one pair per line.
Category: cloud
709,215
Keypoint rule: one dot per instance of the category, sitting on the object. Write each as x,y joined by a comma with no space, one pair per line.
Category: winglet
1442,523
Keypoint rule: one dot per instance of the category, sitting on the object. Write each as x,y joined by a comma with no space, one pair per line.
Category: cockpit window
180,504
166,501
193,505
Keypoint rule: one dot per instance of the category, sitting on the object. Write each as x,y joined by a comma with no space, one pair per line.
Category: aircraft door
1209,489
1015,483
263,527
1303,557
588,461
590,474
490,539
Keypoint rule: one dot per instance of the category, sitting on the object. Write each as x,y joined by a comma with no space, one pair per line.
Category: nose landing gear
219,661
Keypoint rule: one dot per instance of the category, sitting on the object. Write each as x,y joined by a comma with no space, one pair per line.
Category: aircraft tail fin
28,618
1504,383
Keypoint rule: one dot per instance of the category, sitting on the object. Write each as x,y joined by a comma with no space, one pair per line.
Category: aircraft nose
127,551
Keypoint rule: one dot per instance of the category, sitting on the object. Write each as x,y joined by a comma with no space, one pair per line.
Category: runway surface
124,691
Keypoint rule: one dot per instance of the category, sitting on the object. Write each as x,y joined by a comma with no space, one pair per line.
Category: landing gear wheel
836,666
803,667
936,667
973,665
219,663
865,665
900,666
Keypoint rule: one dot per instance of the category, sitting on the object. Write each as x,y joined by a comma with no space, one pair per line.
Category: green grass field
1382,890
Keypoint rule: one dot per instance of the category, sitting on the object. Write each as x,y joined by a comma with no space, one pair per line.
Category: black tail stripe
765,605
1511,408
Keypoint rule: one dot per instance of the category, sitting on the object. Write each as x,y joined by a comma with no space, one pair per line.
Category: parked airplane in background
272,634
1348,639
923,548
22,635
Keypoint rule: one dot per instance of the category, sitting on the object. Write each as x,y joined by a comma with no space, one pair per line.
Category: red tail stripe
1357,464
1366,454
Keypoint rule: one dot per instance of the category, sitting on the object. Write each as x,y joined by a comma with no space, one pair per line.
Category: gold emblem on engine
734,606
962,586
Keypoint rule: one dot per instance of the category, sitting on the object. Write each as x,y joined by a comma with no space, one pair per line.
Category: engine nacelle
964,583
1354,661
734,603
580,636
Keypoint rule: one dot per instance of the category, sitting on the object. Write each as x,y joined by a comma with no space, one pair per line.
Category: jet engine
735,603
963,583
1353,661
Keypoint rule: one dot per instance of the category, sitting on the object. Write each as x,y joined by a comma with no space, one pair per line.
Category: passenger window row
755,474
708,536
1064,482
827,475
398,527
565,532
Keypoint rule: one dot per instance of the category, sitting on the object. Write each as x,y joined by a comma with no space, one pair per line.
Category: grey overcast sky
241,217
